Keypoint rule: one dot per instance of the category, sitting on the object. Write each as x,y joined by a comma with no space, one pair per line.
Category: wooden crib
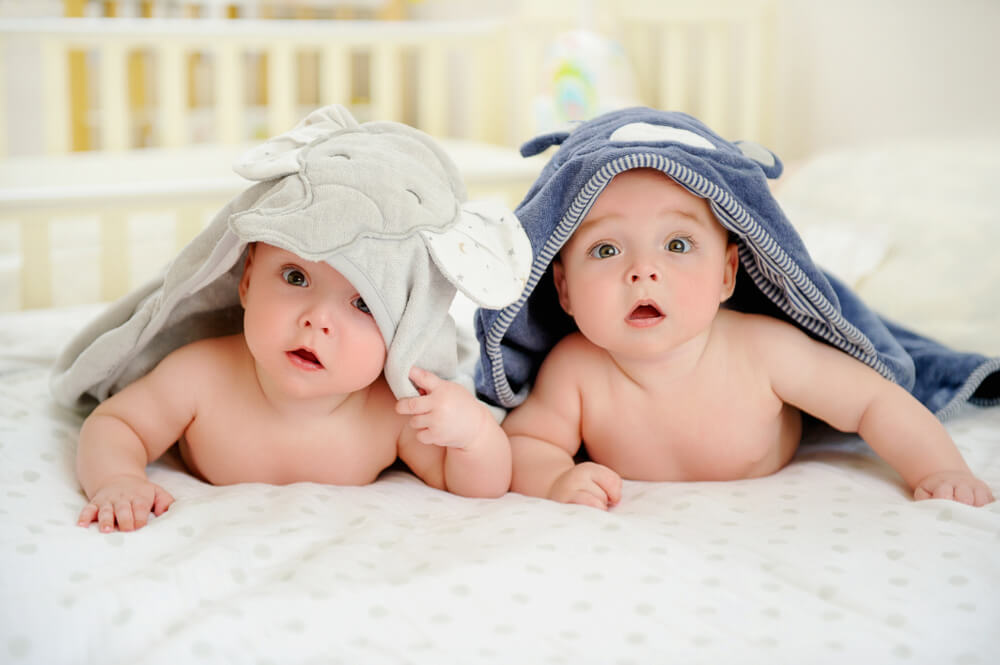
167,104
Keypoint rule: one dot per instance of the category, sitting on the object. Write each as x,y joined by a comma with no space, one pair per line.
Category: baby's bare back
720,421
238,436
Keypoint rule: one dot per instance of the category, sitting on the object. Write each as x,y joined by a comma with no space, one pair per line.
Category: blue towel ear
542,142
768,161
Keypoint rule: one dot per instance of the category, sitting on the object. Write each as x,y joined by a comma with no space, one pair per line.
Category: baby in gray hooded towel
305,335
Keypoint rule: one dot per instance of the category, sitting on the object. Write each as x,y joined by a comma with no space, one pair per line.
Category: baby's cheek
367,356
699,300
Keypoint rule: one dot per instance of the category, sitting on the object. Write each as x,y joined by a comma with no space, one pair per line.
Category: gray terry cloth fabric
380,202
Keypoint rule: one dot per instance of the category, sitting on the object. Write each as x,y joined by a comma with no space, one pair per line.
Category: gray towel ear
279,156
486,254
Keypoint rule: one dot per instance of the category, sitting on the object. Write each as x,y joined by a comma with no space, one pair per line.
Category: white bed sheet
827,561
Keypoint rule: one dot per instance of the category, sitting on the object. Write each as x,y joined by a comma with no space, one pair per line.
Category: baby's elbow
488,490
494,492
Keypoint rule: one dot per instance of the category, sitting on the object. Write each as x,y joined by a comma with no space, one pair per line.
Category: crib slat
713,89
482,113
229,88
3,107
113,250
172,100
335,82
432,112
55,93
752,82
673,86
642,55
524,64
281,92
113,95
36,267
385,73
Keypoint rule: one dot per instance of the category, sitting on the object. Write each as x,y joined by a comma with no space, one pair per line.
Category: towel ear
486,254
541,142
279,156
768,160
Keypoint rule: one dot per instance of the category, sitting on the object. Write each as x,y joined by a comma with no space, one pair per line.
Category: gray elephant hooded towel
777,276
380,202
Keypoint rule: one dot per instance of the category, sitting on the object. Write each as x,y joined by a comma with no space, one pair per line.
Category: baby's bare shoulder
757,329
573,348
206,357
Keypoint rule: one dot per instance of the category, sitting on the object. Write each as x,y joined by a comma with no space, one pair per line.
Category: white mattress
828,561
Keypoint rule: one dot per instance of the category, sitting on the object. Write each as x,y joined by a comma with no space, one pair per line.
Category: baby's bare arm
852,397
544,436
452,441
124,434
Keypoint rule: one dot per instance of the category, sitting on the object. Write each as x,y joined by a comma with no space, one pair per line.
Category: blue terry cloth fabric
776,277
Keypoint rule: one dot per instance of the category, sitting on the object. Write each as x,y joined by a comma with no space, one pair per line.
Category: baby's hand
125,500
589,484
959,486
445,414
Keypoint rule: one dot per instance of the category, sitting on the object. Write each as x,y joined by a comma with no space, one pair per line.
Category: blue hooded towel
776,276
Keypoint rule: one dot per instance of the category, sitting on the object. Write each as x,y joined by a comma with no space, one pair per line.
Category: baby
305,334
659,383
299,396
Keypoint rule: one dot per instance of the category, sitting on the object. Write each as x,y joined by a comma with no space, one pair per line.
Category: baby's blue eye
295,277
360,304
604,251
679,245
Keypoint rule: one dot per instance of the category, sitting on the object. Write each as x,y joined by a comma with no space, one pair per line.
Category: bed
827,561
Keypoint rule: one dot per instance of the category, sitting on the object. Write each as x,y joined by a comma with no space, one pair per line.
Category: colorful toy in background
584,74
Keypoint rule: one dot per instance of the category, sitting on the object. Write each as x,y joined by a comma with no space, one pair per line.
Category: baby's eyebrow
690,215
666,213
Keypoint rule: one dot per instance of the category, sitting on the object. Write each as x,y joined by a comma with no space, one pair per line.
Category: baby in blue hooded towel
644,223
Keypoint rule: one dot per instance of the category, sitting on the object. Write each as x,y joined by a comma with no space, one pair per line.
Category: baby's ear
730,270
245,278
559,279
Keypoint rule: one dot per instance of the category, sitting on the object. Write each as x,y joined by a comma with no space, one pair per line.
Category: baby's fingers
140,511
424,380
421,422
411,406
87,515
585,498
607,481
965,494
974,495
125,515
161,501
106,517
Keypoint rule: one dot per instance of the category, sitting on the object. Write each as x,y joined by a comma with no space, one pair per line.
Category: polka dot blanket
828,561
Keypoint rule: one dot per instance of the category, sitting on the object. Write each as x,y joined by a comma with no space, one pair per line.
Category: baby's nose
318,320
639,273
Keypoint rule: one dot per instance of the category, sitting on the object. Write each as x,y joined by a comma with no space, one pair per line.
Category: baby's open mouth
644,312
306,357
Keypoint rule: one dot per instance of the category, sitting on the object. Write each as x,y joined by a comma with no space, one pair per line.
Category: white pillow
915,228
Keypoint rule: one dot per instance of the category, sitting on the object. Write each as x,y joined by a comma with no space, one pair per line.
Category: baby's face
648,266
307,328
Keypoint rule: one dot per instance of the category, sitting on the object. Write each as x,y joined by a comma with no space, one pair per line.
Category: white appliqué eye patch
643,132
